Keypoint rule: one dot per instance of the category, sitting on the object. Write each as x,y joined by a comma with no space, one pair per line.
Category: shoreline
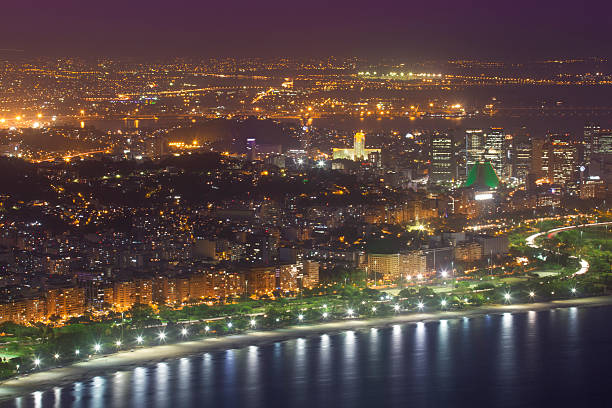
127,360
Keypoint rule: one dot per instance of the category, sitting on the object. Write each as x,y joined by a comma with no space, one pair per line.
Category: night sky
406,29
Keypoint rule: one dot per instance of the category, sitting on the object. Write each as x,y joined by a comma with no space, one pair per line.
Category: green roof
482,175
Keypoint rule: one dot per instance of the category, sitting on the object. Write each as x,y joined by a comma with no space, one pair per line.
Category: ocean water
556,358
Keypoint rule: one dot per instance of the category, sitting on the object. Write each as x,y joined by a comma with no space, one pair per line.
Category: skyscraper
474,147
604,142
493,143
563,159
521,157
442,158
590,140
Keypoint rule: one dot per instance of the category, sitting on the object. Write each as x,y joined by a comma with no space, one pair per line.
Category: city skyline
320,204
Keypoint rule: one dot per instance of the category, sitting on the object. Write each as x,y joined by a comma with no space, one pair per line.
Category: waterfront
525,358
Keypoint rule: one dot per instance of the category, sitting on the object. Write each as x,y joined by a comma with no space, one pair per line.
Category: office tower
494,143
590,140
474,147
537,165
604,142
521,157
563,159
442,169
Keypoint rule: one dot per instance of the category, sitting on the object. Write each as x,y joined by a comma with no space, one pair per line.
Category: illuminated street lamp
118,343
207,329
532,294
325,315
161,336
373,309
300,317
573,291
76,352
396,308
56,356
36,362
139,339
443,303
253,322
349,312
420,305
97,347
229,325
507,297
184,331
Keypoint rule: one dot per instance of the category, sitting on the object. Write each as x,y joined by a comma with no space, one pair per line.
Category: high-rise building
563,159
442,150
537,158
590,140
310,274
474,147
604,142
521,157
386,267
494,143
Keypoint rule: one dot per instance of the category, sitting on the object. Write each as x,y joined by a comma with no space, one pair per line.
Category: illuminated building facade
358,152
474,147
494,143
442,169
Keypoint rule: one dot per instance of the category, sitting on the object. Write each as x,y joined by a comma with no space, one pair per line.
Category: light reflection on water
521,359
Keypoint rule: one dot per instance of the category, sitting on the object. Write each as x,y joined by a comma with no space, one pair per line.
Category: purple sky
422,29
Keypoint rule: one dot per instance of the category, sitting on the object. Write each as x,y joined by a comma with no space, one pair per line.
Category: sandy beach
126,360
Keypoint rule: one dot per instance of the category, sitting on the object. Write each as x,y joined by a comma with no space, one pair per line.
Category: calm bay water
557,358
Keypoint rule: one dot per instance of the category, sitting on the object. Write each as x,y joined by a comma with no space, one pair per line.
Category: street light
374,309
118,343
396,308
253,322
139,339
56,356
184,331
229,325
573,291
349,312
532,294
36,362
300,317
161,336
507,297
421,305
325,315
76,352
443,303
97,347
207,329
